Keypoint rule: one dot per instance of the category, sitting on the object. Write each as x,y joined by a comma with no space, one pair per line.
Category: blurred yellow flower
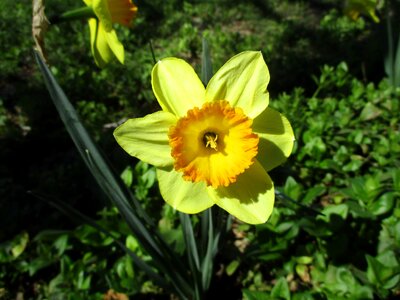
353,9
103,38
212,145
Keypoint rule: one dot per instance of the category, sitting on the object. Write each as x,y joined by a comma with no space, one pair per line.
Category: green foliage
340,26
346,166
84,263
339,130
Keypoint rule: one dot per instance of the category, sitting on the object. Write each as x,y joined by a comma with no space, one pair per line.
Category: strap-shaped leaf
206,64
141,225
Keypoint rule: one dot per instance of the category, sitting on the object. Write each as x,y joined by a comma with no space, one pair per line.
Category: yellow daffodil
353,9
212,145
103,38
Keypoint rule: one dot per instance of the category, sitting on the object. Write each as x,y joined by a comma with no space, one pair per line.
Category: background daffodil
212,145
353,9
103,38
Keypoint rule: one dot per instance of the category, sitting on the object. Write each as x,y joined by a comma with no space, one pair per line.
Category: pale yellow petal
184,196
147,138
101,10
276,138
250,198
176,86
243,82
101,51
115,45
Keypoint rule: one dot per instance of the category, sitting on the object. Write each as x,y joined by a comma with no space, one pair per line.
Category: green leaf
292,188
302,271
312,193
127,176
192,252
340,210
39,263
382,205
213,236
358,189
382,275
83,281
370,112
61,243
232,267
303,296
359,211
281,290
206,64
255,295
19,244
305,260
131,243
174,237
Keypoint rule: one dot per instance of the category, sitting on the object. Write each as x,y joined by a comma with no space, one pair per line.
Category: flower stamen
210,140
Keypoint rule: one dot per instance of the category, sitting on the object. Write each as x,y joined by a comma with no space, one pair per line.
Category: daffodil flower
353,9
212,145
103,38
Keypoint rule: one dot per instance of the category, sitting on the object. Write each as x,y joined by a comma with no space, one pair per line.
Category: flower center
214,144
210,140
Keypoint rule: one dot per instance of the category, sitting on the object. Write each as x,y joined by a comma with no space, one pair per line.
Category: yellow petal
250,198
100,8
176,86
185,196
88,2
276,138
115,45
101,51
147,138
243,82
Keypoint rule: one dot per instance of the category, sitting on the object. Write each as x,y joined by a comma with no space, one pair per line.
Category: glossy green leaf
232,267
370,112
255,295
281,289
382,205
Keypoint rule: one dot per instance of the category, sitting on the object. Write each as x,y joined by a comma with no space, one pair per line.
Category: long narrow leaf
192,253
396,66
207,264
136,218
389,58
189,238
206,64
204,222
